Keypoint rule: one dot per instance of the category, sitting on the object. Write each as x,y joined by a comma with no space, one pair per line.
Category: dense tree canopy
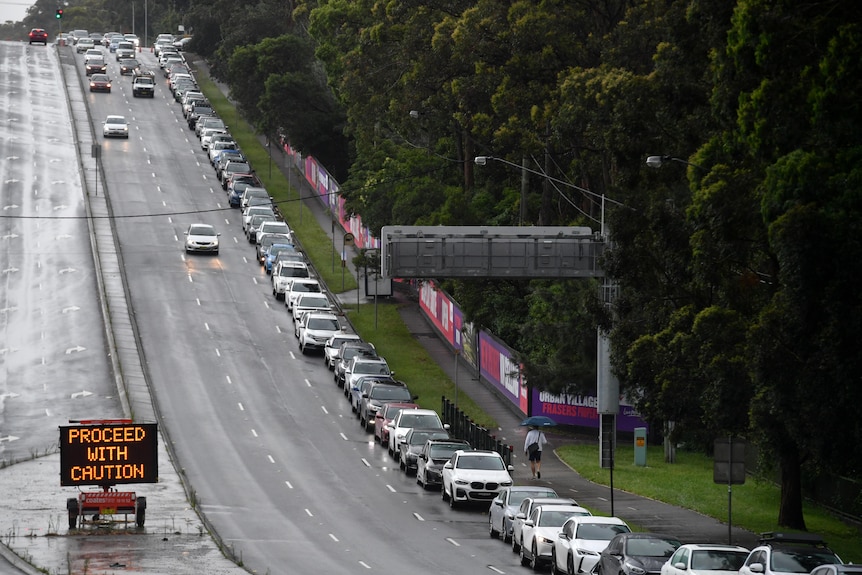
735,263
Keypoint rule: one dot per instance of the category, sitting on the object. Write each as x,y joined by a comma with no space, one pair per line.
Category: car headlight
545,540
580,551
461,482
506,483
633,569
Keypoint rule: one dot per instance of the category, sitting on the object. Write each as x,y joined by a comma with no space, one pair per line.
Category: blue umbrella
538,421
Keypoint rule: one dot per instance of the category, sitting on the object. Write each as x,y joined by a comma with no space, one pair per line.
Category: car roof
617,521
692,546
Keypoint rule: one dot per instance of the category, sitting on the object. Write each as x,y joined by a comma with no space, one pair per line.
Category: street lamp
657,162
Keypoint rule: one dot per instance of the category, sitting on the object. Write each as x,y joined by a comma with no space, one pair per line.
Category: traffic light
59,13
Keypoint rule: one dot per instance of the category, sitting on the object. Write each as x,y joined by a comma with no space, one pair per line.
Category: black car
412,444
95,66
382,390
636,554
129,66
431,458
197,112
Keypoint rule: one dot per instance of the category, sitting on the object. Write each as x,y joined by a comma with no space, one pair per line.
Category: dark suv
379,392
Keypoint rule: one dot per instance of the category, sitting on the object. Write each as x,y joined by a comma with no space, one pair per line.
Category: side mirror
511,468
681,566
448,465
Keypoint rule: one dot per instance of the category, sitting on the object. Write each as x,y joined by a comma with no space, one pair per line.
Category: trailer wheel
72,507
141,511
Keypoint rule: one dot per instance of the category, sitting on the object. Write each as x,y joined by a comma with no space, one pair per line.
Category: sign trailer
105,453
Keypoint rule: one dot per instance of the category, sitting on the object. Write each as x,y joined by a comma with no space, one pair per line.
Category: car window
371,369
323,323
420,420
601,532
649,547
445,450
717,560
391,393
800,561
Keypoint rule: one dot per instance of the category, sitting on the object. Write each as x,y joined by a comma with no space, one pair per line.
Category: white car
505,506
540,531
251,211
693,559
782,553
311,302
202,238
578,544
362,366
406,420
314,328
473,476
276,227
332,349
526,509
284,274
115,126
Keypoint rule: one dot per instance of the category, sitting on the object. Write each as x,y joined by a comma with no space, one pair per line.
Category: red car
384,416
39,36
100,83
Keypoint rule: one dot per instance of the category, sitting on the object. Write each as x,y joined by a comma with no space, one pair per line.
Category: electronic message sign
109,454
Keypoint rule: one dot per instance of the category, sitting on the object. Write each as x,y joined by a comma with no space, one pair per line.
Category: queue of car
545,529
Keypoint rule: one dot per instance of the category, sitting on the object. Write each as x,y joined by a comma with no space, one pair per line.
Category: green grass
688,483
315,241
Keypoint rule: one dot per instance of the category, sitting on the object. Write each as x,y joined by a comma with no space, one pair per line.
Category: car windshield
322,323
801,560
718,560
276,249
301,287
202,231
649,547
554,518
602,532
420,437
372,369
427,421
313,301
516,497
390,393
445,450
293,272
484,462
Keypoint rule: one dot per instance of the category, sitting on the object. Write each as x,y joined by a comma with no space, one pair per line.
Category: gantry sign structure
490,252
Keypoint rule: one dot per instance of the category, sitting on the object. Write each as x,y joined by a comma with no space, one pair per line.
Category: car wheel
493,533
534,559
515,546
521,555
302,349
452,503
570,565
505,533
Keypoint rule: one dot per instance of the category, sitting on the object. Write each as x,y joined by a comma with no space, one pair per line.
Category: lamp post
607,386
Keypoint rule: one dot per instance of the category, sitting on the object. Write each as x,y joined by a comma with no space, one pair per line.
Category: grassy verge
688,483
316,243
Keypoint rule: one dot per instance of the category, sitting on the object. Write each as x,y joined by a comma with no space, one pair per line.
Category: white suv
284,272
314,328
474,476
406,420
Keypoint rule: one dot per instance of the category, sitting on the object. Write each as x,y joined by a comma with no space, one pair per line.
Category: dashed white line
418,517
227,377
365,462
308,383
253,432
206,326
494,569
344,437
453,542
289,484
309,513
271,459
390,488
323,407
364,564
333,537
241,408
218,353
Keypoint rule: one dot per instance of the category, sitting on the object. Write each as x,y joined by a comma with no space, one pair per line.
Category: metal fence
461,427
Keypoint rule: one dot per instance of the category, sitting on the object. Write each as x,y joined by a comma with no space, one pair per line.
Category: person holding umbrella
533,450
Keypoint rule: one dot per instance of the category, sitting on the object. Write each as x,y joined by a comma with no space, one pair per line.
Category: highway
277,462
